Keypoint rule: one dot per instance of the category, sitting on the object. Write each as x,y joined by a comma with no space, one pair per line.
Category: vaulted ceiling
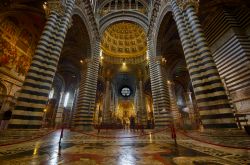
125,40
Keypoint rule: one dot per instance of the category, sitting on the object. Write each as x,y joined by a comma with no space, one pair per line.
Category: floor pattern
153,149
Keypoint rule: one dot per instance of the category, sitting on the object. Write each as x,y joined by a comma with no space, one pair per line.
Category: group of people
5,118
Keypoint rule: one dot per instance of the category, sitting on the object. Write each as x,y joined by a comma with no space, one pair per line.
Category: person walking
6,118
132,123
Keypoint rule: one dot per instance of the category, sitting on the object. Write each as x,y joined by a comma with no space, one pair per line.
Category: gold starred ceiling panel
125,40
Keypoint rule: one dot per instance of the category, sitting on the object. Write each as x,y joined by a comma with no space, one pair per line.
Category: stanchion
61,136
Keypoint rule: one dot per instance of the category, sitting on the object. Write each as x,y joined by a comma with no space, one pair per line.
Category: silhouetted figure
132,123
6,118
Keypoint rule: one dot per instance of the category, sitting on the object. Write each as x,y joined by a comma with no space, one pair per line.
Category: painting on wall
14,45
9,27
24,39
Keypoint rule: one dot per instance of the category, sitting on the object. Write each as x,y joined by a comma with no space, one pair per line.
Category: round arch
107,1
164,11
134,17
91,35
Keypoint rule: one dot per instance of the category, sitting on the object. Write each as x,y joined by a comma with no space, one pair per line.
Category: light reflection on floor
77,148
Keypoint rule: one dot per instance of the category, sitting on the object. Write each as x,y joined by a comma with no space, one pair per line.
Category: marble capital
184,4
54,5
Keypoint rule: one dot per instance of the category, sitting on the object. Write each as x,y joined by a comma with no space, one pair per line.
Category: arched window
51,93
66,99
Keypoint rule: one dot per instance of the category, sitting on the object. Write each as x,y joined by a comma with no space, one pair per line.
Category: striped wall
87,93
33,97
230,43
160,92
231,49
214,108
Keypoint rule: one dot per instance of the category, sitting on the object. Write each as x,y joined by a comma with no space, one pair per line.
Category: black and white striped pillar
173,102
142,106
33,97
106,101
87,93
214,108
60,110
160,92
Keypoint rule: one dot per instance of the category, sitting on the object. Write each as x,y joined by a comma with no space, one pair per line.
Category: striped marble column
33,97
142,107
73,111
136,103
87,93
190,105
85,64
60,111
160,92
106,108
212,101
173,100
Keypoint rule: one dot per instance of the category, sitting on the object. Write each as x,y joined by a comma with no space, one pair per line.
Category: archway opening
170,49
124,70
76,49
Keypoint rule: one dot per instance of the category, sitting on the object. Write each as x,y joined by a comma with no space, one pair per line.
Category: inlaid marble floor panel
155,149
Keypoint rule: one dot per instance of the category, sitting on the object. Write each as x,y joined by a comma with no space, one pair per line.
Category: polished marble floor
119,147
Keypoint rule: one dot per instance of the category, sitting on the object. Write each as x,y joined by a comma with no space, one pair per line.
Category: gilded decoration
124,40
183,4
53,5
16,46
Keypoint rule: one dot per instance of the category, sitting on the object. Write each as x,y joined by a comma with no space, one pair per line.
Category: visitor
6,117
132,123
127,123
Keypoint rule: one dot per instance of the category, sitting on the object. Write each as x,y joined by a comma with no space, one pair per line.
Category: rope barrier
129,137
123,137
158,131
31,139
